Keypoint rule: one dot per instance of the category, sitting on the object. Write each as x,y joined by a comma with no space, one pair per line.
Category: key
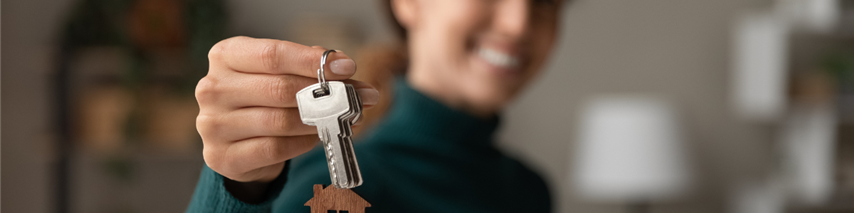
333,111
347,144
356,106
356,103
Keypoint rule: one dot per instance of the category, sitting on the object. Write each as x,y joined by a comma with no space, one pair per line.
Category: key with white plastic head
332,112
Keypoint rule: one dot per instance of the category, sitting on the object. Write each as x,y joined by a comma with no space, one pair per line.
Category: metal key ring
321,74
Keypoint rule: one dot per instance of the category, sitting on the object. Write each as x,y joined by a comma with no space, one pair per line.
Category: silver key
332,114
333,107
356,107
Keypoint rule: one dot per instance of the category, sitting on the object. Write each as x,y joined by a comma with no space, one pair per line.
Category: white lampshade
630,148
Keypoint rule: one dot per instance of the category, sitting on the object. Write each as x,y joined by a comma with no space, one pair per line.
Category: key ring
321,75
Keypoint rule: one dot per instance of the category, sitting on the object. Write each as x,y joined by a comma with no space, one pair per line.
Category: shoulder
530,184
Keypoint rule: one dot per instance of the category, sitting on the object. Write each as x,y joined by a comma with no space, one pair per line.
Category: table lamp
630,150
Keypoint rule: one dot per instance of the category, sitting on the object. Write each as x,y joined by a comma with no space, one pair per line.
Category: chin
495,86
497,74
489,95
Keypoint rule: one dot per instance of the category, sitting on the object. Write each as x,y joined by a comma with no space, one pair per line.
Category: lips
498,58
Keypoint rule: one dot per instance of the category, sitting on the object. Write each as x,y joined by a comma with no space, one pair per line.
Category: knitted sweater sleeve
211,195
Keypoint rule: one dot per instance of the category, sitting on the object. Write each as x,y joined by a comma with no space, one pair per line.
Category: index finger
270,56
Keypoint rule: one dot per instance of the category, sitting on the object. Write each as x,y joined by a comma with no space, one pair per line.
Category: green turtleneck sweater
423,157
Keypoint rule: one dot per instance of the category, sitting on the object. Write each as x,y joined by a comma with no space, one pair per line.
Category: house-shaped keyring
331,198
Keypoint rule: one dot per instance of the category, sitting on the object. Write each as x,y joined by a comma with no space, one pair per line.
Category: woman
431,153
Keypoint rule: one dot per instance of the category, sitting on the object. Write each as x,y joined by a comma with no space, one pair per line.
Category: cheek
542,44
459,25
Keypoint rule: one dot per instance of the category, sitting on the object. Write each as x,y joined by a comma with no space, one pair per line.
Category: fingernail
343,66
369,96
359,122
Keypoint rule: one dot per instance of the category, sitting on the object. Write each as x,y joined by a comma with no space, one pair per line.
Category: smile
497,58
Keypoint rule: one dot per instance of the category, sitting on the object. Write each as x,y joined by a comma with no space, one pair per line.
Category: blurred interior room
740,106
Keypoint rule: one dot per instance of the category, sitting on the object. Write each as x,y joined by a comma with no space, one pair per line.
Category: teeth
498,58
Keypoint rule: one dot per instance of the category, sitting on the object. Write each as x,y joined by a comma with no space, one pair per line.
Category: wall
675,49
678,49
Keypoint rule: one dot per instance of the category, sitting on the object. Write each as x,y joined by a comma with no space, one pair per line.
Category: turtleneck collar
421,119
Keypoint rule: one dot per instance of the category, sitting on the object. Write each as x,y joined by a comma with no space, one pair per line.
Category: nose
512,17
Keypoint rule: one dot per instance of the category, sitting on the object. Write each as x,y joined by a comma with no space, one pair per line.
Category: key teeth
343,166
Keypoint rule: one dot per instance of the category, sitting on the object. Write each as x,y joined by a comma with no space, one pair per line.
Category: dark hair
379,64
398,51
396,26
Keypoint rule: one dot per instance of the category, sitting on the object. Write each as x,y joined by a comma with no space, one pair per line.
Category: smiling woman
432,152
476,55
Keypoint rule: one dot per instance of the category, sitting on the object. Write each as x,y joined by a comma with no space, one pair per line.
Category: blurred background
645,106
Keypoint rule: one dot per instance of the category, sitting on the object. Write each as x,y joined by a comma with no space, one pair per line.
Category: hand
248,118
